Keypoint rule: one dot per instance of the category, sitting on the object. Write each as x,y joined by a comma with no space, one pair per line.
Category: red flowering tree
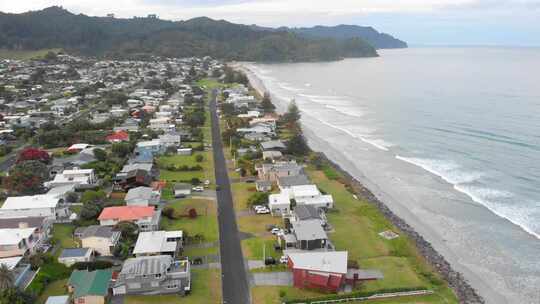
33,154
26,178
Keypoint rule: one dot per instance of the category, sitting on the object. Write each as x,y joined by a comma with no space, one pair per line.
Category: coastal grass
204,224
56,288
357,225
192,252
256,223
24,54
187,160
241,193
205,288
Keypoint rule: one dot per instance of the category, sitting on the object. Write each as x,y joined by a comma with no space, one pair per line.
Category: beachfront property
153,275
273,171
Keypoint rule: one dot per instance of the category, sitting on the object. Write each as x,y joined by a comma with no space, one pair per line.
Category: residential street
234,280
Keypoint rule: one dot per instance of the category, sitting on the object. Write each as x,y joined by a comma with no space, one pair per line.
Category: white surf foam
377,143
461,181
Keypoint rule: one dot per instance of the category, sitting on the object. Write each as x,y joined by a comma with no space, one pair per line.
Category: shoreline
456,281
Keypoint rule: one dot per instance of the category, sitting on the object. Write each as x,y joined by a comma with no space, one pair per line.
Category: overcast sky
445,22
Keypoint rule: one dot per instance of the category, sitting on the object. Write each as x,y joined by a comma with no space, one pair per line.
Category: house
118,136
43,205
70,256
287,182
142,196
129,125
275,170
170,140
101,239
57,300
158,243
18,268
318,270
307,212
184,151
309,235
263,186
19,241
310,195
272,155
159,274
145,217
155,147
41,223
181,190
81,178
61,192
326,270
279,204
273,145
78,147
89,287
133,179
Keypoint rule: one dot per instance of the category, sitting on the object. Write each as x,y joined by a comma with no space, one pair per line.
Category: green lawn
198,252
205,223
241,193
357,223
56,288
63,235
253,248
24,55
205,288
184,160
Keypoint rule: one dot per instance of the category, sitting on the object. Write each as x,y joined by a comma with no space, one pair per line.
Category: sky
419,22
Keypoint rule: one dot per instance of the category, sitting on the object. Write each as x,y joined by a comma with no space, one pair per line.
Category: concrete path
273,278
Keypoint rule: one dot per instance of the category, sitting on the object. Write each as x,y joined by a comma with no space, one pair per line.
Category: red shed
319,270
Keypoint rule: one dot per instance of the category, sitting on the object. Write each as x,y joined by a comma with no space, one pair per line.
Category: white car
276,231
206,182
262,211
284,259
259,207
198,189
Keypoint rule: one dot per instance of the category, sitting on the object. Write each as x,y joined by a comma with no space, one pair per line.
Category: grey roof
273,144
144,193
306,212
95,230
263,183
74,252
182,186
17,222
293,180
147,265
137,166
309,230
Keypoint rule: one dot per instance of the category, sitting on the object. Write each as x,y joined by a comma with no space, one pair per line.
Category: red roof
126,213
118,136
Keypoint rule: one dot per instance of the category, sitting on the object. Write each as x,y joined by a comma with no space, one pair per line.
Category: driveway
273,278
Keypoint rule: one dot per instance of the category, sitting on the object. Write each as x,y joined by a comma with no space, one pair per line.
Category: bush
199,158
258,198
192,213
168,212
195,181
91,266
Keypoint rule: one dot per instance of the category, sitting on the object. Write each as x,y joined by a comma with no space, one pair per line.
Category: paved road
234,279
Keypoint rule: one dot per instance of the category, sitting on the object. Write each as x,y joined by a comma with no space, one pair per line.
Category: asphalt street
234,279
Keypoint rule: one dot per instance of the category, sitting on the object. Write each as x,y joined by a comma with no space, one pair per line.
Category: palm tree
6,277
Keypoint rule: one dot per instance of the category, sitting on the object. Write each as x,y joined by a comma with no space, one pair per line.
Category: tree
192,213
128,231
228,109
122,149
91,196
13,295
90,211
6,277
258,198
26,178
168,212
33,154
297,145
267,104
292,115
100,154
199,158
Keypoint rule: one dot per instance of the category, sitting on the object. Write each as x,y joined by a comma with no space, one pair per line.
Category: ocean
448,137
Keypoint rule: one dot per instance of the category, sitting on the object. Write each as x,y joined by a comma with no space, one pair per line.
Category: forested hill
367,33
55,27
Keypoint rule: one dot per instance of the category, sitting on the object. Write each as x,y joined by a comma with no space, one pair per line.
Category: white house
70,256
309,195
279,203
76,176
142,196
170,140
158,243
47,206
18,241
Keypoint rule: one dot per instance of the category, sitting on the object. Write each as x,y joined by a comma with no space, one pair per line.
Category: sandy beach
433,223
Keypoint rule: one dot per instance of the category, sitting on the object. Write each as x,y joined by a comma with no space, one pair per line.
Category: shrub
91,266
168,212
192,213
199,158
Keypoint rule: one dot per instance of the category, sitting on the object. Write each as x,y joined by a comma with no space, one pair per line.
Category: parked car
276,231
262,211
284,259
270,261
206,182
198,189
